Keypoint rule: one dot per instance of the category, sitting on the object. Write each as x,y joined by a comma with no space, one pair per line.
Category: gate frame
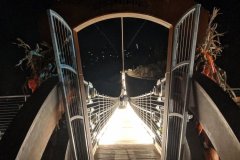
51,15
156,20
170,62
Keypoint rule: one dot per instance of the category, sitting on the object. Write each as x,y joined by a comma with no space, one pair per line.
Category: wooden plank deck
127,152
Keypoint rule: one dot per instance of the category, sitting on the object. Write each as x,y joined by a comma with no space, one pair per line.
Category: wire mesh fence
150,108
100,109
9,108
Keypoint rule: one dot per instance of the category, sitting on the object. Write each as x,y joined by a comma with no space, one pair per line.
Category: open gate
69,76
178,87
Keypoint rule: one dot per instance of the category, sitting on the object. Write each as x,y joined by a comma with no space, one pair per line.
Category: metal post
151,120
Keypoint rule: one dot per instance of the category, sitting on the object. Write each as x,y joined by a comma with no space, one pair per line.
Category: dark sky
141,38
100,46
18,18
21,18
228,23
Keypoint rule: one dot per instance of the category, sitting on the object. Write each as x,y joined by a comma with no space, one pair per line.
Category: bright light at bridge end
125,127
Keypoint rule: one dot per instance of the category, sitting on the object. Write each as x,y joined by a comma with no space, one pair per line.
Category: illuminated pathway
125,138
125,127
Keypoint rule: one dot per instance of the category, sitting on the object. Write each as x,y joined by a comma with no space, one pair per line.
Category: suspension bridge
155,125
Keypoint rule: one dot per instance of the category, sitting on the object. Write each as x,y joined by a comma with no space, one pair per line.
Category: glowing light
125,127
124,92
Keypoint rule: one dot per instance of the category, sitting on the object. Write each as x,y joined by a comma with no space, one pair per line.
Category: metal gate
63,45
178,90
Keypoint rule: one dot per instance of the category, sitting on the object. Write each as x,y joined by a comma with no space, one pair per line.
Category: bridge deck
125,127
125,138
127,152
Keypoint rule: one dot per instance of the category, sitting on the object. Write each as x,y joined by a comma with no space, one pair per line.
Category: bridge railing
100,109
9,107
150,107
234,94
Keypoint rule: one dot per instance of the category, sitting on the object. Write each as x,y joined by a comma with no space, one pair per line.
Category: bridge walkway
126,138
127,152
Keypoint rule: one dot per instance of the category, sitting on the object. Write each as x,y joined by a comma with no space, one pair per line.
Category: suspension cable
106,37
135,35
122,46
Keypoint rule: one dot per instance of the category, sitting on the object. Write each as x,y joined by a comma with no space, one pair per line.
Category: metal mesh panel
150,109
99,112
185,36
70,84
9,107
68,75
79,141
175,123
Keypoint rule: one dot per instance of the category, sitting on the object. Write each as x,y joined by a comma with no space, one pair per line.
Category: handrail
215,117
149,107
36,121
234,94
99,112
15,96
9,107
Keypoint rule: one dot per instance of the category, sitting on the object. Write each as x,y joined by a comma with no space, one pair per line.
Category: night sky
103,41
100,46
228,23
